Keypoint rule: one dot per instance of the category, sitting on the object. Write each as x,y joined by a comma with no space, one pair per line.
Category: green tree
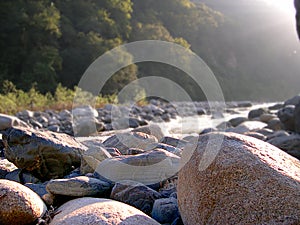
28,43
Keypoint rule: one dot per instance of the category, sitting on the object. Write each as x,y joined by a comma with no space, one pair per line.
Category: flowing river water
191,125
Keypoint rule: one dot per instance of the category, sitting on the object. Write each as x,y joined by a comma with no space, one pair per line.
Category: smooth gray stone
286,116
135,194
165,210
7,121
78,186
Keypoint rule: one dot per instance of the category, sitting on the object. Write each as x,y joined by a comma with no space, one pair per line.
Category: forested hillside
51,42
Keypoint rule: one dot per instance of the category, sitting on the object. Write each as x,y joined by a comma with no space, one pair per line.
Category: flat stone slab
78,186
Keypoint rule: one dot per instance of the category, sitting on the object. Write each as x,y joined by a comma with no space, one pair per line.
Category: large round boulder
247,182
19,204
97,211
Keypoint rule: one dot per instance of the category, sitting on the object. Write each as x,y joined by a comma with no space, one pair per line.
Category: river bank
134,155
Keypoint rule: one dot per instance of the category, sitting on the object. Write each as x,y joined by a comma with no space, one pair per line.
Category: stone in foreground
148,168
45,154
135,194
97,211
19,204
248,182
92,156
7,121
78,186
165,210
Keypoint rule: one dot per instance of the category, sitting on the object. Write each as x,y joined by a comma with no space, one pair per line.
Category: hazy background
251,46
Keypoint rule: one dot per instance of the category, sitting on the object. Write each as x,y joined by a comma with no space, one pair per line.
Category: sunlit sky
286,5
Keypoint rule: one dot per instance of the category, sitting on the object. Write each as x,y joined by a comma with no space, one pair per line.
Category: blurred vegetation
46,46
46,42
13,100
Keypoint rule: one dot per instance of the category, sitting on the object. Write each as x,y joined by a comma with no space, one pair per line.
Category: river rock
78,186
87,126
85,121
293,101
135,194
148,168
237,121
125,122
6,167
21,177
286,116
256,113
99,211
45,154
84,111
134,151
244,104
297,118
175,142
286,143
7,121
275,124
256,135
40,189
125,141
165,210
169,148
19,204
265,118
248,182
92,156
247,127
151,129
276,107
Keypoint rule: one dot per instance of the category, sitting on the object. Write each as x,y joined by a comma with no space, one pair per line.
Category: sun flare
286,5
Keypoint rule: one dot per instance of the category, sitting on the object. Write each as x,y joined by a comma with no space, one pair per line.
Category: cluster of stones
130,178
278,125
142,176
85,120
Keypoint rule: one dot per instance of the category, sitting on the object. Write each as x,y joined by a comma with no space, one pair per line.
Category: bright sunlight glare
285,5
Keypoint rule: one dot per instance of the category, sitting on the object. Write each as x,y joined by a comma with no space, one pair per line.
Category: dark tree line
50,42
46,42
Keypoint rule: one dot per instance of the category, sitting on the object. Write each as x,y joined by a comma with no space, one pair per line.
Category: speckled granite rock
19,204
45,154
99,211
249,182
135,194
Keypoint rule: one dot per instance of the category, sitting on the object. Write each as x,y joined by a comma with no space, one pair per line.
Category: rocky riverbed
163,163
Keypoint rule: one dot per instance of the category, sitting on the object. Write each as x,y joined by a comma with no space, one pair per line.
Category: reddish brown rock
99,211
19,204
248,182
